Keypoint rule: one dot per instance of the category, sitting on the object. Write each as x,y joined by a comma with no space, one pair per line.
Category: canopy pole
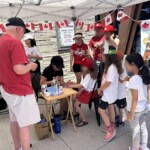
19,9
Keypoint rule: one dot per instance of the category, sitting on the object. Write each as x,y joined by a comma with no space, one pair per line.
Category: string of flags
107,20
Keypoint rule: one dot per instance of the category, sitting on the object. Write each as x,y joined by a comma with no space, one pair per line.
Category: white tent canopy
59,9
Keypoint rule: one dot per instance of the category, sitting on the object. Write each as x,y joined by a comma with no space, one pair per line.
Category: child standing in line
85,88
121,100
136,106
108,91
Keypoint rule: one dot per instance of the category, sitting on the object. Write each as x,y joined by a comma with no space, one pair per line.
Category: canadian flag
43,26
62,24
30,26
145,24
107,20
2,28
121,16
79,24
90,27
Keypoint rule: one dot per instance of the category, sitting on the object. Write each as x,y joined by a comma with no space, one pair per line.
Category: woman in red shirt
78,51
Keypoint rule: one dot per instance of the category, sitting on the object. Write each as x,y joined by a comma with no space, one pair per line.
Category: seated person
54,70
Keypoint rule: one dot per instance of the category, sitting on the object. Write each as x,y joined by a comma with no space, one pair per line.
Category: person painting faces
16,84
78,51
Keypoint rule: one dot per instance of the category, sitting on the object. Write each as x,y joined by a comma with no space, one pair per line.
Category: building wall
47,44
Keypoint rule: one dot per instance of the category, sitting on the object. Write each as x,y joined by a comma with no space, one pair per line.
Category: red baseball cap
98,26
88,62
109,28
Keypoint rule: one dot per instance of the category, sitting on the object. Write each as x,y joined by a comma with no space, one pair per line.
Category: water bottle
57,126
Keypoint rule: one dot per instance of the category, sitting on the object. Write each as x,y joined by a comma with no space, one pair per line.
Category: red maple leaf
62,24
27,25
108,20
145,25
120,15
45,26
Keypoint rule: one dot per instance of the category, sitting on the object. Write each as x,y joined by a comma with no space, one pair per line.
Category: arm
133,105
90,52
21,69
44,81
75,86
103,87
71,59
37,57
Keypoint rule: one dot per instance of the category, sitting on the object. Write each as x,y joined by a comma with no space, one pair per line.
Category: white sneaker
145,148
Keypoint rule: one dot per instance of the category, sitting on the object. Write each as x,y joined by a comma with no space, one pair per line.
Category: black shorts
76,68
104,105
121,103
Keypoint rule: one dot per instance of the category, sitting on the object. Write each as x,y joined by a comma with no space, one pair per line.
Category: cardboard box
42,130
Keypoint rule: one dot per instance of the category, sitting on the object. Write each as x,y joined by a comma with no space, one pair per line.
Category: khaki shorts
22,109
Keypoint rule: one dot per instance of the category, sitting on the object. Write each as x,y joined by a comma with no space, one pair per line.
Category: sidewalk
86,138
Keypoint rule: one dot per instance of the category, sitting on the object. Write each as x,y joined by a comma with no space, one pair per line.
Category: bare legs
21,136
14,128
80,111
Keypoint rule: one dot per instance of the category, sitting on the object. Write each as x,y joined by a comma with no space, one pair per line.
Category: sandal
81,123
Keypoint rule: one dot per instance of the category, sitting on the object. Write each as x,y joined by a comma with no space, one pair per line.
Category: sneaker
105,129
144,148
110,135
121,124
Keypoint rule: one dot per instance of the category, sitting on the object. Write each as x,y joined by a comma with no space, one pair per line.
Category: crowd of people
120,82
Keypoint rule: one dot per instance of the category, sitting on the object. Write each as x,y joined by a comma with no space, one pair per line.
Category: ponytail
136,59
145,75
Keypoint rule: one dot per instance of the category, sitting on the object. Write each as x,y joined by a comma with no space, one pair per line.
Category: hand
100,92
33,66
57,78
130,116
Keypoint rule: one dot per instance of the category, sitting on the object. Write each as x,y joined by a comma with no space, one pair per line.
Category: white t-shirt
122,86
110,93
34,51
136,83
88,83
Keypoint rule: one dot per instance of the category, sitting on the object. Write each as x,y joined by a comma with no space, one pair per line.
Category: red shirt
12,53
96,51
79,52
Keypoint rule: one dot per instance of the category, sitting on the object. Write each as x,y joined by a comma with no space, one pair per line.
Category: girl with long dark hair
137,105
109,91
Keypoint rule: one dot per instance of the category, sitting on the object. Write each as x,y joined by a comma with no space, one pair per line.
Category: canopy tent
59,9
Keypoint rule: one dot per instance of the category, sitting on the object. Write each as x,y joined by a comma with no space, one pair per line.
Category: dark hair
137,59
113,59
33,42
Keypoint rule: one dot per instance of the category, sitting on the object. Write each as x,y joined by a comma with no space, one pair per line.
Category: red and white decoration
121,16
30,26
79,24
62,24
90,27
43,26
108,20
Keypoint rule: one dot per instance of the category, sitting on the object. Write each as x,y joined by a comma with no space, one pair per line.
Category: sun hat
15,21
88,62
109,28
28,37
78,34
98,26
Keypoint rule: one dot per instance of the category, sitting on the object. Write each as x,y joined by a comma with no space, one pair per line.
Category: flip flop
81,123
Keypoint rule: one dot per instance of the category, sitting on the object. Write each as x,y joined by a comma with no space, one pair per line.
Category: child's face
148,47
129,67
84,69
